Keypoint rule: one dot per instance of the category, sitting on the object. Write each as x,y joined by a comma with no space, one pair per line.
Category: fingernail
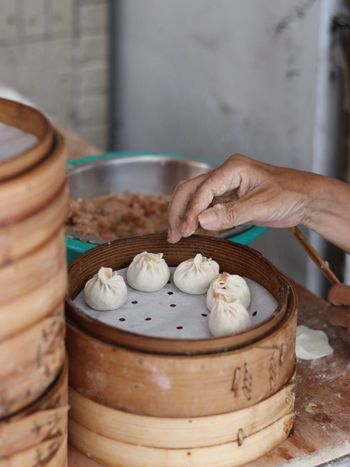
173,237
188,234
209,220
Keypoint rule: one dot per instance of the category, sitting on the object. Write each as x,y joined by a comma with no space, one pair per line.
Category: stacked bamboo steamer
138,400
33,380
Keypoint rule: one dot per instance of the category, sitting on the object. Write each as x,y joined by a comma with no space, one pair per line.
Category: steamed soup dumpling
106,290
228,318
229,287
194,275
148,272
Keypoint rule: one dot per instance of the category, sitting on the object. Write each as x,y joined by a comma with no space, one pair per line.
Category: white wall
55,53
217,77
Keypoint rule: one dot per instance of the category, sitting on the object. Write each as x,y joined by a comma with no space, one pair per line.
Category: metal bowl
115,173
146,174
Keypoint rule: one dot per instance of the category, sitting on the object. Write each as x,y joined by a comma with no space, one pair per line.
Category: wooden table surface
322,428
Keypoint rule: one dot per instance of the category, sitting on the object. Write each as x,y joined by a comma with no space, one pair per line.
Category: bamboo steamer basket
17,239
24,195
30,362
33,306
37,434
33,270
232,258
29,120
123,377
233,453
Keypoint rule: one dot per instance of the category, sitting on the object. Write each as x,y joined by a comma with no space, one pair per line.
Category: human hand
339,313
254,192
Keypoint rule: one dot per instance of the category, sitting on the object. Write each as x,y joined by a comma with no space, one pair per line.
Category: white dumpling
148,272
106,290
229,287
228,318
194,275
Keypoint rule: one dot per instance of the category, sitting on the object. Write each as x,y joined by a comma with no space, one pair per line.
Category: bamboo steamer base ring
26,310
21,389
22,196
31,271
44,421
180,432
186,386
116,453
19,238
29,120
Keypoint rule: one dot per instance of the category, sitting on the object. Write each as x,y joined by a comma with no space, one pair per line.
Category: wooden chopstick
314,256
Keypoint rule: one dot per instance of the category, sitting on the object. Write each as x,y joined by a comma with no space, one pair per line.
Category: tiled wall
55,52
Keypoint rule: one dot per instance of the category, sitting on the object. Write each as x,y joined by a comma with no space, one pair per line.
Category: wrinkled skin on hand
339,313
243,190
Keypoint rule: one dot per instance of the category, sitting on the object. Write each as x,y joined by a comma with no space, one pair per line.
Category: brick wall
55,52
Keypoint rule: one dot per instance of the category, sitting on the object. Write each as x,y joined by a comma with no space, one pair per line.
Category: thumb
227,215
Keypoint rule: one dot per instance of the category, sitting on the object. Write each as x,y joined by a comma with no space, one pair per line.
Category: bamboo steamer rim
26,194
29,233
43,305
234,453
25,345
32,270
166,432
27,119
290,313
41,454
20,391
88,264
49,424
47,400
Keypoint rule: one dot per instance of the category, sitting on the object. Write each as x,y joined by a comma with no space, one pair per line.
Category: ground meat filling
113,216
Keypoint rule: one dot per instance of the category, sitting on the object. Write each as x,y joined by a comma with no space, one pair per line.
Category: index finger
178,205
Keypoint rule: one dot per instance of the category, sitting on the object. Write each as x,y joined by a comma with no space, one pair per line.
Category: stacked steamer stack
33,205
138,400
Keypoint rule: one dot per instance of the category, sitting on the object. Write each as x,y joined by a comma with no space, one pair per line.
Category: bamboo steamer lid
33,270
29,120
27,378
162,432
25,194
232,258
19,238
33,306
39,430
234,453
197,385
